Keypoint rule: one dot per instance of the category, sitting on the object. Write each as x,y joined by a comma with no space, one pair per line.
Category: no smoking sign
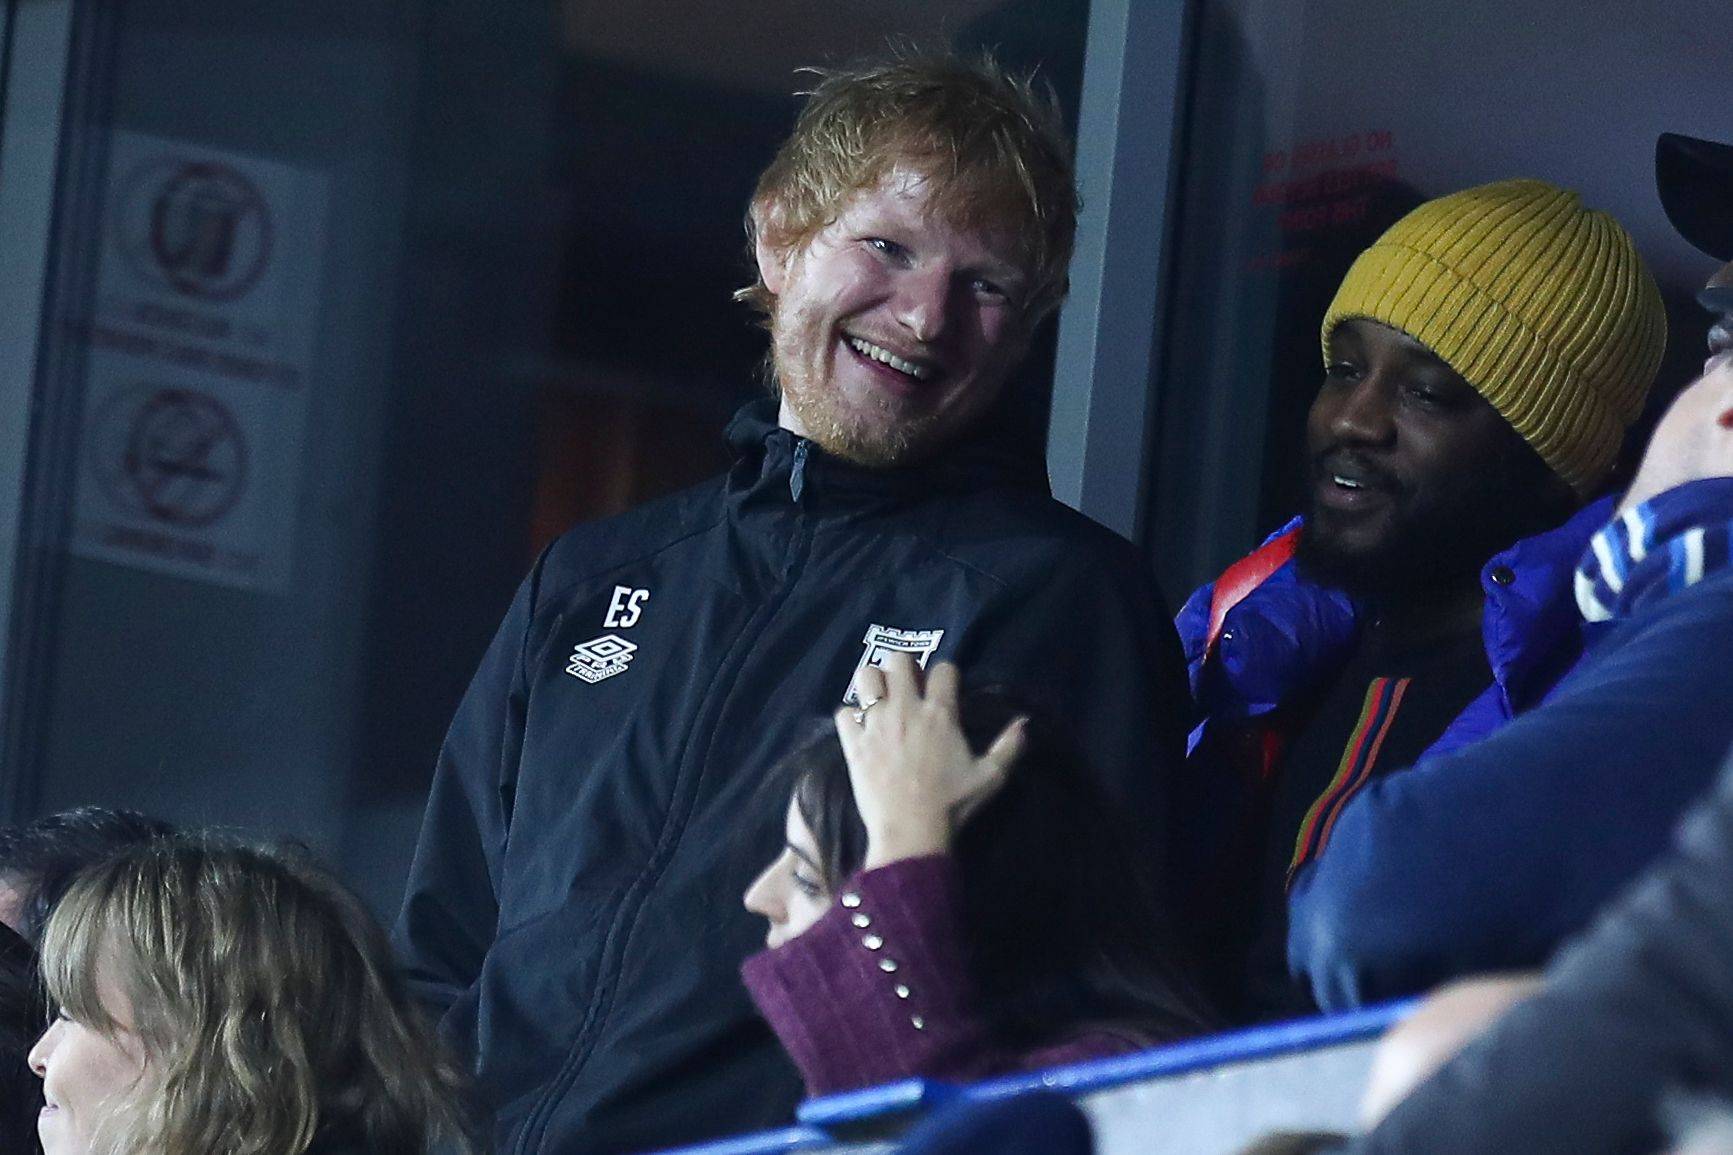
172,455
200,362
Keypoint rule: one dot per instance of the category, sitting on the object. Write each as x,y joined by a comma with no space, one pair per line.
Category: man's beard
1428,547
875,435
1417,555
876,443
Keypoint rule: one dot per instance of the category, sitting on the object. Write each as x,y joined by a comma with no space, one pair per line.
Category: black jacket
574,909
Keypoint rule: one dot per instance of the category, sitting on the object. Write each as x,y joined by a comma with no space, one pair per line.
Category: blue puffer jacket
1487,858
1277,645
1288,633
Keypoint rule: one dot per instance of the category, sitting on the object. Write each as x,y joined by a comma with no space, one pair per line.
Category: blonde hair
263,996
991,144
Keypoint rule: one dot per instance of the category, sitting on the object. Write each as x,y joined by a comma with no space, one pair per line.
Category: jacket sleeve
450,907
1487,858
1093,644
1192,622
1296,607
1640,1007
878,990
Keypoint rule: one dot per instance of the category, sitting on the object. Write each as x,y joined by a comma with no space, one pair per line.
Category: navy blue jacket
1486,858
1639,1008
600,804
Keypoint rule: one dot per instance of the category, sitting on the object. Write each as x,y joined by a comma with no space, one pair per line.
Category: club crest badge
601,658
883,641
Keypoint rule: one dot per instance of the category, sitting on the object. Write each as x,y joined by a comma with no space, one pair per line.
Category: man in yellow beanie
1573,818
1483,361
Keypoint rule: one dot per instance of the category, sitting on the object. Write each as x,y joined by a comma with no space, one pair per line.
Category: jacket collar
1654,550
1000,451
1531,626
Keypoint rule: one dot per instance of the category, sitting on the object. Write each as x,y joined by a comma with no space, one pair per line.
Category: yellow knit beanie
1542,305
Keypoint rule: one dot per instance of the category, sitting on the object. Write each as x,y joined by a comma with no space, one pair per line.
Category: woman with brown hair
214,996
956,898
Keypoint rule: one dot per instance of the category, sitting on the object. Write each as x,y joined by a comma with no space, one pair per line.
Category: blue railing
833,1118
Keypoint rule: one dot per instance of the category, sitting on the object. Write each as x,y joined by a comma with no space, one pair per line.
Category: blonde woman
213,996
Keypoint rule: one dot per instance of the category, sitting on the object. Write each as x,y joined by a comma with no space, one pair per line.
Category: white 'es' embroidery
601,658
625,608
883,641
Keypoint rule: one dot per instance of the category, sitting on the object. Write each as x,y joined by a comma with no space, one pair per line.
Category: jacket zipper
797,471
534,1133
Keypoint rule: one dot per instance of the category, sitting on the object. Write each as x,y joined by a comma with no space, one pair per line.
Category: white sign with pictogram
199,359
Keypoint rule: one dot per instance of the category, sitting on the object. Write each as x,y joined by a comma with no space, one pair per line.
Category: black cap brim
1695,178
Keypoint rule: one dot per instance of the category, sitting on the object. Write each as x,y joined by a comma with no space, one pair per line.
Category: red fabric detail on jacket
1244,576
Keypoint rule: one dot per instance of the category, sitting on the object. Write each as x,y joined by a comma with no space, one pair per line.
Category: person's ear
773,256
772,265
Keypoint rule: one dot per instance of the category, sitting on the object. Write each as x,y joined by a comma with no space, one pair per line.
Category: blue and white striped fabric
1650,551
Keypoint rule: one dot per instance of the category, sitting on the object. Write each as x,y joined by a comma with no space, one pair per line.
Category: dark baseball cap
1696,182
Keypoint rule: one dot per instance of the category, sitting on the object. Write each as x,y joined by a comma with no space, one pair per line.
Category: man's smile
1348,483
921,369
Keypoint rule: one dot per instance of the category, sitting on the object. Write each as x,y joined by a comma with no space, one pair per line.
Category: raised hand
915,779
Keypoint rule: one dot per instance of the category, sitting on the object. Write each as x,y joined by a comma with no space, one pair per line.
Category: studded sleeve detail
878,988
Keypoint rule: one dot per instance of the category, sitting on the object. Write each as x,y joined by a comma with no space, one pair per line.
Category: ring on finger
860,711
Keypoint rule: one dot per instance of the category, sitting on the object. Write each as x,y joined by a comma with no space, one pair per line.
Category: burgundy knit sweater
877,990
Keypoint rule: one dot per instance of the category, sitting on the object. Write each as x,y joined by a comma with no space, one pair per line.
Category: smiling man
600,803
1482,361
894,328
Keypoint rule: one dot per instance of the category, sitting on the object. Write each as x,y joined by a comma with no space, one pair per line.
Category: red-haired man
599,805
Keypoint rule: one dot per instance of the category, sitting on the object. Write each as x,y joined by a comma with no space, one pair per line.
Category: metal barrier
1208,1096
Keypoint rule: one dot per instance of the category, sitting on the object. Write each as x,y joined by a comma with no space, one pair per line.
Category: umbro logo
601,658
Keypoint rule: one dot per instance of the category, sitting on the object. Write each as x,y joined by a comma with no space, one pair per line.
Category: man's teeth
885,356
1345,482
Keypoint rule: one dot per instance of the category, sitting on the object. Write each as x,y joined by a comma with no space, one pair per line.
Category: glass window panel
383,297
